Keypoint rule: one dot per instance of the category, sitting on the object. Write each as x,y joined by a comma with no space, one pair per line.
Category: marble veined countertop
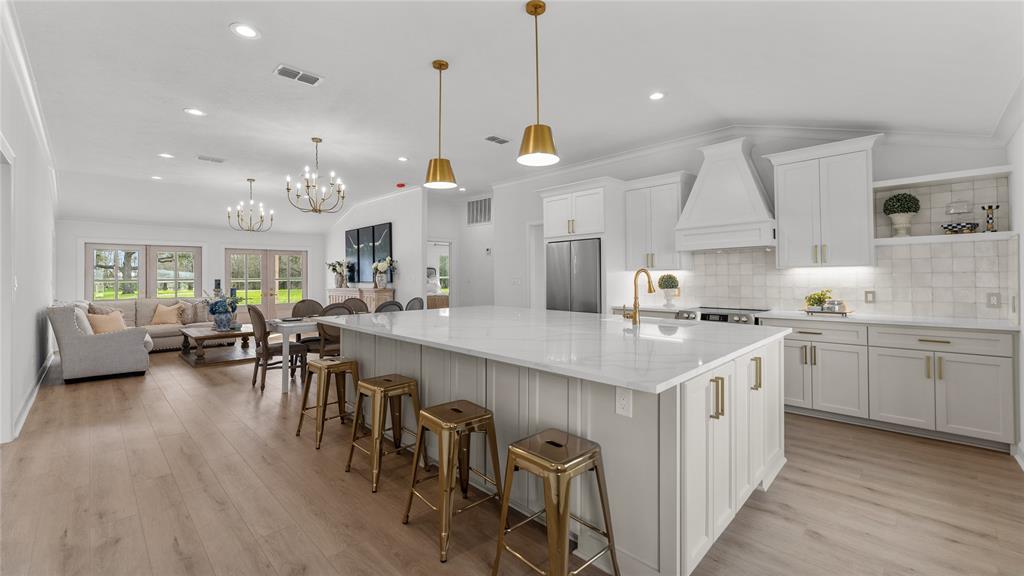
598,347
895,320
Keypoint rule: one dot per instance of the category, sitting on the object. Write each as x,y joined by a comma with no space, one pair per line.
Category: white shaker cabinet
797,373
902,387
839,378
652,210
574,213
823,204
974,396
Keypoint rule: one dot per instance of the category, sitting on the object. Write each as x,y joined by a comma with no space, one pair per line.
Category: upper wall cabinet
574,213
823,204
652,209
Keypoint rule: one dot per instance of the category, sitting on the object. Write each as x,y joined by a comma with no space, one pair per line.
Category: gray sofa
165,336
84,354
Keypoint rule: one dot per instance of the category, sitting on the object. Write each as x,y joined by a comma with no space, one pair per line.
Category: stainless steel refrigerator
574,275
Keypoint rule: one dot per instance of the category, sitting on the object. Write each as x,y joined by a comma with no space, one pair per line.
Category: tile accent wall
948,279
977,193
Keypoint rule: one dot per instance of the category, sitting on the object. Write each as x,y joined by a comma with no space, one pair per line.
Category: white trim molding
1018,454
22,415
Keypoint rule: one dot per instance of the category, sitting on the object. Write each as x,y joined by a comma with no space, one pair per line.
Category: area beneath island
703,426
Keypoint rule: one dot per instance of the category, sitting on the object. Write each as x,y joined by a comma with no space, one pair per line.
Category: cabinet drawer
960,341
833,332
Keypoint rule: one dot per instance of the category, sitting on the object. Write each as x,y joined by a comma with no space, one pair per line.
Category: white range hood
727,207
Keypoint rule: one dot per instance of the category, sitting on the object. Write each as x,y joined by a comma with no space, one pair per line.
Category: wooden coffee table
196,354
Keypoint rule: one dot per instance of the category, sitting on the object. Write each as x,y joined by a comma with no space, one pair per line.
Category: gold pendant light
250,218
538,147
439,170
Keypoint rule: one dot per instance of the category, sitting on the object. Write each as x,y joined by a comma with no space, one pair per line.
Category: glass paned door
289,280
245,279
114,272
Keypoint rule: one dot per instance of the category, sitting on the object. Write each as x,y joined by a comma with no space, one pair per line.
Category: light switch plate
869,296
624,402
993,300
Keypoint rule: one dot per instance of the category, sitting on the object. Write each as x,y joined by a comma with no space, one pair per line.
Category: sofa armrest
99,354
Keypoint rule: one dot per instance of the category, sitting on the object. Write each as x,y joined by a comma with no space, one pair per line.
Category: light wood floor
188,471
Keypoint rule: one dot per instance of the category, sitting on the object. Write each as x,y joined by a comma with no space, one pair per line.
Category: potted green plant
669,284
900,208
815,300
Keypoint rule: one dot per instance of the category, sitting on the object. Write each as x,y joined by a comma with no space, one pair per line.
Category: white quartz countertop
924,321
603,348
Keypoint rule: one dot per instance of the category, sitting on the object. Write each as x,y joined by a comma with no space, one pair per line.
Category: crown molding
1012,117
10,36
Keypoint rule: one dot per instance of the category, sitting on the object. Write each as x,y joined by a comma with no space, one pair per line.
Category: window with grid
174,271
289,278
113,272
245,276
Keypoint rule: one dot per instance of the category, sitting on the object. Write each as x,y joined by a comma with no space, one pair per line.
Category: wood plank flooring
187,471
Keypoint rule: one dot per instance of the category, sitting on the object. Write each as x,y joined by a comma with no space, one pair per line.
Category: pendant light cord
536,62
439,80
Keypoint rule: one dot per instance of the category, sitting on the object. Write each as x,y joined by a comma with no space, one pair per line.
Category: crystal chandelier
311,195
251,218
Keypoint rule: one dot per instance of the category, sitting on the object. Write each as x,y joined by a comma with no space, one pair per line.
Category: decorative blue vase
222,322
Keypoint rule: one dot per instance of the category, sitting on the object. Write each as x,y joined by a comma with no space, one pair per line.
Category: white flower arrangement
385,265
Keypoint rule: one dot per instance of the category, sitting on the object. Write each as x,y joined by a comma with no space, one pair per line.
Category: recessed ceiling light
403,159
195,112
157,177
165,155
244,30
656,95
462,189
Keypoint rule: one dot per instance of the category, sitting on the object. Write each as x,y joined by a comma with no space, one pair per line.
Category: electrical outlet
869,296
993,299
624,402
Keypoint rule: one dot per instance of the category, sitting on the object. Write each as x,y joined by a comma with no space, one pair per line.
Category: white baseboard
30,400
772,472
1018,454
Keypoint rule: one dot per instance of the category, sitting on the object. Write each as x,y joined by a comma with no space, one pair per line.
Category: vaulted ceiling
113,78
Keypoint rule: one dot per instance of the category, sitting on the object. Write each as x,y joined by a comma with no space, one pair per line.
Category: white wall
72,235
26,234
516,203
407,212
472,265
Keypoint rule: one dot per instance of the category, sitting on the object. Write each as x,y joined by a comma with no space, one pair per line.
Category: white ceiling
113,78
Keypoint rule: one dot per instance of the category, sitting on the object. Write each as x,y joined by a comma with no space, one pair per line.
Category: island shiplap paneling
507,397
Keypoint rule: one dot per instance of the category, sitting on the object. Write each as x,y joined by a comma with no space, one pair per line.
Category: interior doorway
439,270
273,280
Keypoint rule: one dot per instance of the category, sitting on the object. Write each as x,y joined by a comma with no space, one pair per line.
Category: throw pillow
168,314
104,323
97,309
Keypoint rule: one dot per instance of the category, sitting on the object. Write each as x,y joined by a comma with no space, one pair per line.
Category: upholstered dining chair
415,304
313,342
267,352
389,306
330,336
356,305
304,309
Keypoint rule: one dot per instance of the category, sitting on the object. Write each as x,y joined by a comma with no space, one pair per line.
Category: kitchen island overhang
699,390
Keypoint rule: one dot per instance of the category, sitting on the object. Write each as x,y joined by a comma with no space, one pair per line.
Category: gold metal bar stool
383,391
453,422
557,457
324,368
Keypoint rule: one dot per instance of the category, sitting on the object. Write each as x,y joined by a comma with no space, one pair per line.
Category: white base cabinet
797,377
974,396
839,378
902,387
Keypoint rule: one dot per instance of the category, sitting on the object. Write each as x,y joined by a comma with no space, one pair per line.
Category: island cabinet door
724,430
698,408
797,375
839,378
774,415
749,422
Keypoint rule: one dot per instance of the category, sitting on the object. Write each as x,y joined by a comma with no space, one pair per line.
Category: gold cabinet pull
933,341
814,355
808,332
719,383
814,253
940,367
928,367
803,354
757,373
568,226
824,253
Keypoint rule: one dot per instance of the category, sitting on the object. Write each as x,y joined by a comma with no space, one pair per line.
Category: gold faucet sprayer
635,314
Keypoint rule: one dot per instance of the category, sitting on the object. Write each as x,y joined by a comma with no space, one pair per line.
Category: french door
273,280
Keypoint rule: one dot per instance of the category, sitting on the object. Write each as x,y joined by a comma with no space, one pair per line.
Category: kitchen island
688,414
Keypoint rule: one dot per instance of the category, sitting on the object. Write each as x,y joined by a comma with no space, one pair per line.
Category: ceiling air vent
478,211
213,159
292,73
496,139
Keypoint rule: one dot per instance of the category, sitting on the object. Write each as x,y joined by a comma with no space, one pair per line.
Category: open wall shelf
943,238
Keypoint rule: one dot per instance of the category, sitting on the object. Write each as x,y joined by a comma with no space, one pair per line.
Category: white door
797,214
698,404
557,215
974,396
839,379
665,205
288,284
638,228
901,387
797,373
273,280
588,212
847,227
